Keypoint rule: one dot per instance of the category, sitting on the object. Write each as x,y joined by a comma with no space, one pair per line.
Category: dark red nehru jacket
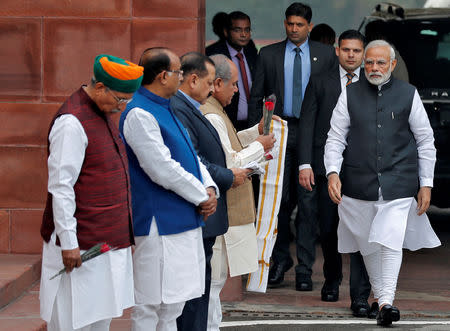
102,195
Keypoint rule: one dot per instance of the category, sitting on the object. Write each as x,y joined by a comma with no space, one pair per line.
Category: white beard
379,80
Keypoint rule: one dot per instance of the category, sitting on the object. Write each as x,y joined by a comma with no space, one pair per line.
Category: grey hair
222,64
379,42
93,81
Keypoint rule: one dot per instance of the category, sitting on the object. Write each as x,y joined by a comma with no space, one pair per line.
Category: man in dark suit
321,96
238,47
198,78
284,69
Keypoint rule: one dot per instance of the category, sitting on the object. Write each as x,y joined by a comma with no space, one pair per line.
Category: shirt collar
343,72
303,47
232,51
195,103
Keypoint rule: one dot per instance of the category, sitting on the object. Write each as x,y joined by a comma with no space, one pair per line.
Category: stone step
23,313
18,272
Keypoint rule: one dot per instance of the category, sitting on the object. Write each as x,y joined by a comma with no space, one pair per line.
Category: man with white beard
381,144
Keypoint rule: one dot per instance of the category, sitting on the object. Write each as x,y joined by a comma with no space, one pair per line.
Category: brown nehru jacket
240,201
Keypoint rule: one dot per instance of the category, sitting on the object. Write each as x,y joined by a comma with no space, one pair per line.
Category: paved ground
423,297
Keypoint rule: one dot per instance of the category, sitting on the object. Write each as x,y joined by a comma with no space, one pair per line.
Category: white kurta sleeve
143,135
423,134
337,136
207,179
253,152
67,145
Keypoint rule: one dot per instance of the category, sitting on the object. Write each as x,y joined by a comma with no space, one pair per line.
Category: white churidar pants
218,280
383,268
168,271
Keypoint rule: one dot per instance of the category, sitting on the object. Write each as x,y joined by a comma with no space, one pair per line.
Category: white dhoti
94,293
379,230
168,271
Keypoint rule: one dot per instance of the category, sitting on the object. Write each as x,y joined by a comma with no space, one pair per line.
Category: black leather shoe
276,273
303,283
373,312
360,308
330,291
395,314
387,315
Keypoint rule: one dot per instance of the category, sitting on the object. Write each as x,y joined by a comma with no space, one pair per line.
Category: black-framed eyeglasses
119,100
179,72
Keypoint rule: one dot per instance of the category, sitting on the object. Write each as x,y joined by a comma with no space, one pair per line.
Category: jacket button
380,94
379,174
379,125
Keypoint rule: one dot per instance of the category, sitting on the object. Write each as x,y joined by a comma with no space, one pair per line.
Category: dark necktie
349,78
243,75
297,84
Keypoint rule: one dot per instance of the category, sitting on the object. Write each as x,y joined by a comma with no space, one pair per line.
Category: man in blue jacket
172,192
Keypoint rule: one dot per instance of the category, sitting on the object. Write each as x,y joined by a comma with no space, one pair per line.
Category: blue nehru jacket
173,214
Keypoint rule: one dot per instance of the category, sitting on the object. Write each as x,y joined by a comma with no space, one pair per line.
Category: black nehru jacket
381,150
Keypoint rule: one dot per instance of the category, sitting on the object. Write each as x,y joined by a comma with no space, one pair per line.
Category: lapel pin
314,58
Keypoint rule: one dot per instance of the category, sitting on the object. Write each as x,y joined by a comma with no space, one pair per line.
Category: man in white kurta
89,295
236,250
383,130
169,269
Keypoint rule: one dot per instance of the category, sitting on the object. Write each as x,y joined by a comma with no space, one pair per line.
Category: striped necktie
349,78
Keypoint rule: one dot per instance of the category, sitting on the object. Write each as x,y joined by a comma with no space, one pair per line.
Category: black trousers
195,313
359,279
315,212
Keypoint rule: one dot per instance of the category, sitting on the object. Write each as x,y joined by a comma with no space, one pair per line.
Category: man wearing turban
89,203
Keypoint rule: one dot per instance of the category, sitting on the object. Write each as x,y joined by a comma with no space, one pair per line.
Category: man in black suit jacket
275,74
321,97
238,41
198,78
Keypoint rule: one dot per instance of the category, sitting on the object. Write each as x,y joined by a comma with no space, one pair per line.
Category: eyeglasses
179,72
119,100
371,63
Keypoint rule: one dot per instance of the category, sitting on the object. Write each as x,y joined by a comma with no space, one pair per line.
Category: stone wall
47,52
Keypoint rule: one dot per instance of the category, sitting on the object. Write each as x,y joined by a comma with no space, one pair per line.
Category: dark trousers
195,313
315,210
359,280
289,197
317,207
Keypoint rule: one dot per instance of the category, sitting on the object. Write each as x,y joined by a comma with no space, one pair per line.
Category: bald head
161,71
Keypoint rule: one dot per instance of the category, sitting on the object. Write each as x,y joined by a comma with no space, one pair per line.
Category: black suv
422,37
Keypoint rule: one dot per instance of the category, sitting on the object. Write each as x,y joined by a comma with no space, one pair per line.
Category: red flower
269,105
104,248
